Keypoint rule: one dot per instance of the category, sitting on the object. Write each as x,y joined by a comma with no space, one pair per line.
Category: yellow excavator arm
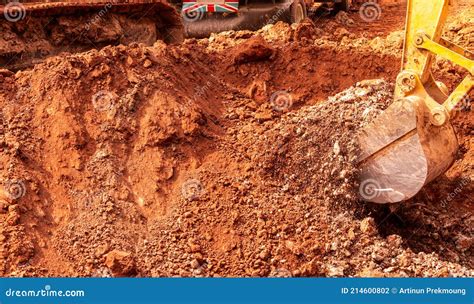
423,40
413,141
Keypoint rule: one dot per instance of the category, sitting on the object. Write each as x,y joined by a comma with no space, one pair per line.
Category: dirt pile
68,129
348,31
253,50
293,210
122,177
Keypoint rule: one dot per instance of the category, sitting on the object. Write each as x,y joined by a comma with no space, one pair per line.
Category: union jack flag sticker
210,6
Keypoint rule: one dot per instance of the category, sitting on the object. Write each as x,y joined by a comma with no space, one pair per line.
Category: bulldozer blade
401,151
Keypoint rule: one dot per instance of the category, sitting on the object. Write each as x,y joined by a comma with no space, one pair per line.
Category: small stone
343,18
336,148
101,250
195,264
263,116
280,273
367,226
379,255
463,243
443,272
394,240
130,61
335,271
6,73
199,257
147,63
389,269
120,263
254,49
404,260
305,30
351,234
13,217
341,32
360,92
265,254
3,206
194,248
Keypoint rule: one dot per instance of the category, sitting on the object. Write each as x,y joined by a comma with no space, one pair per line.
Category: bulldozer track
77,18
65,7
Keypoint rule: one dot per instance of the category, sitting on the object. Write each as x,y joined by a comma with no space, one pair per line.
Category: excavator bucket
401,151
413,141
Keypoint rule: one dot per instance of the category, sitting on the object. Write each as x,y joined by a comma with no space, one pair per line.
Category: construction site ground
229,156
